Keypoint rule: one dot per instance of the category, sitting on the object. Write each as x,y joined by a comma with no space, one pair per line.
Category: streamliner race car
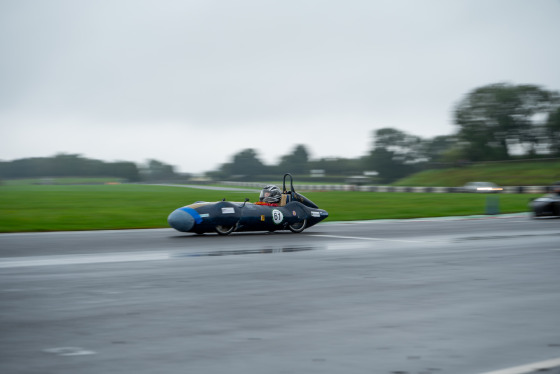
547,205
293,212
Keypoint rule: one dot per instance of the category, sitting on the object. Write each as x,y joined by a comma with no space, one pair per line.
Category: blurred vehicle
487,187
547,205
294,212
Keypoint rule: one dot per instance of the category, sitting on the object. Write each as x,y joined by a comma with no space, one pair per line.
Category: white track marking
528,368
69,351
81,259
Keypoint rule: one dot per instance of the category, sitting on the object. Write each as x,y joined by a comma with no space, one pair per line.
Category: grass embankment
99,207
536,173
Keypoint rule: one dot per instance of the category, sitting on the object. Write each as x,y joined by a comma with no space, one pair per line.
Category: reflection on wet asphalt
505,237
246,252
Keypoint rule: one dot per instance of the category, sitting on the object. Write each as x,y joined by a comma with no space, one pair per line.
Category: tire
225,230
533,215
298,226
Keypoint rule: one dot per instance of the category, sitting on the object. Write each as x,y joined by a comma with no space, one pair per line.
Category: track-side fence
350,187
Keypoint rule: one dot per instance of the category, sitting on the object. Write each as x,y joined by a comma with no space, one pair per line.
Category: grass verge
103,207
536,173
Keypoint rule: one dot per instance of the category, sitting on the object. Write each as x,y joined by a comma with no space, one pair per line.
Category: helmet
270,194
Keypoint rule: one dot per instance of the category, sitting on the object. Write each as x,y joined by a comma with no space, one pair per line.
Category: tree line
497,122
74,165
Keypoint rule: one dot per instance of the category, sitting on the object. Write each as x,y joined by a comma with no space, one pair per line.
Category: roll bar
284,190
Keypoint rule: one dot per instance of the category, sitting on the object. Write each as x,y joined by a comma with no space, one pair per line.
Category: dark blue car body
294,213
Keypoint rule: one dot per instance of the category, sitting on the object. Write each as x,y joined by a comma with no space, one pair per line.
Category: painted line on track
523,369
81,259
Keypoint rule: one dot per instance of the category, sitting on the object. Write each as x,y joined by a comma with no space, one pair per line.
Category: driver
270,195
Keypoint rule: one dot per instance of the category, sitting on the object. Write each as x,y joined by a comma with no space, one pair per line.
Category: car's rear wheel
224,230
298,226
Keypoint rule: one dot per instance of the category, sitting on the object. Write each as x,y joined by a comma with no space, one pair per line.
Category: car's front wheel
298,226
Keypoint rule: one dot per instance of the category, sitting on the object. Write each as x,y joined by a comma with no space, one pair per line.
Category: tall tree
497,119
395,154
439,148
244,163
553,132
157,170
405,148
296,162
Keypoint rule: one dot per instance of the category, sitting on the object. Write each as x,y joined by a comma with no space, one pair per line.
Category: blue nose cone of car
181,220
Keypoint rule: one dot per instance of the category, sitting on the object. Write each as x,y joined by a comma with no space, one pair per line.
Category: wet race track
454,296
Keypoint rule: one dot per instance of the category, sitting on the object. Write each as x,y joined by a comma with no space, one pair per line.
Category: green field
123,206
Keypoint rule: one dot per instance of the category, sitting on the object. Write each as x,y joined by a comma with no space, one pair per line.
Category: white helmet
270,194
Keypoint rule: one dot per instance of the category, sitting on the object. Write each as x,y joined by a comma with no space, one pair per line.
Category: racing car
294,212
547,205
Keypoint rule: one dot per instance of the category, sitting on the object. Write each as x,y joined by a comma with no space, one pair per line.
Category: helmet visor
264,193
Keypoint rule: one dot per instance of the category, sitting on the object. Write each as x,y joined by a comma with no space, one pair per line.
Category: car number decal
277,216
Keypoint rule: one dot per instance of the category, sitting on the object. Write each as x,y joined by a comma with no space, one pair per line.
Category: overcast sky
191,83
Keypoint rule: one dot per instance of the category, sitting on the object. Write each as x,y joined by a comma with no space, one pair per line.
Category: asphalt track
457,296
